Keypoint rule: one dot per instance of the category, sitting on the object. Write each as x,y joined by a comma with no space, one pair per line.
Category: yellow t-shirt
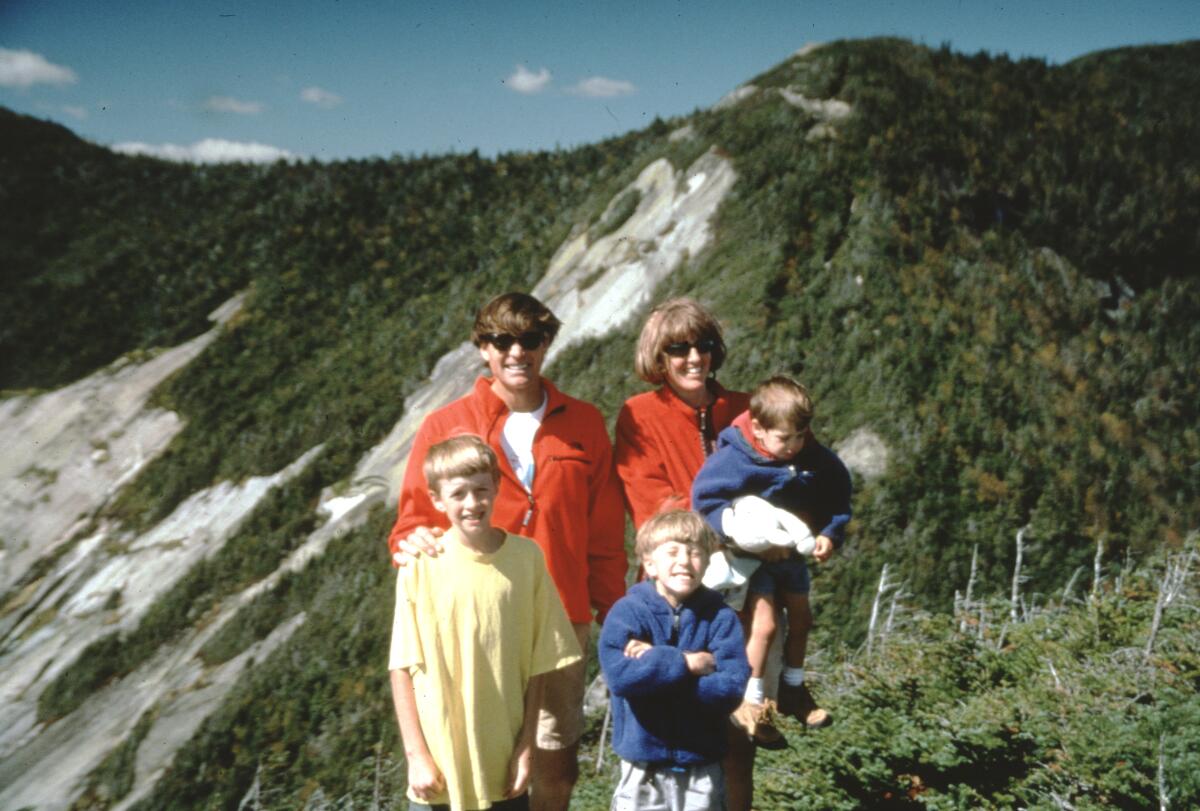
472,629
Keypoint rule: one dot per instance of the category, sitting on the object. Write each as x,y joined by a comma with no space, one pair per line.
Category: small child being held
474,632
767,472
674,658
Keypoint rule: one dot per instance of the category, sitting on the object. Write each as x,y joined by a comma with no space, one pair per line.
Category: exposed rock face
106,583
865,453
67,452
84,442
594,287
825,109
735,97
685,133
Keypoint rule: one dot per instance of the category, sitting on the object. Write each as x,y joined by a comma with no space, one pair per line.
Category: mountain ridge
958,266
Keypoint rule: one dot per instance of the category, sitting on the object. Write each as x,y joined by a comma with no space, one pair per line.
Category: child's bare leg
760,609
794,696
799,623
756,715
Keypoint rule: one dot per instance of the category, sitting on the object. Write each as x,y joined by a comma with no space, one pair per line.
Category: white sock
755,693
793,676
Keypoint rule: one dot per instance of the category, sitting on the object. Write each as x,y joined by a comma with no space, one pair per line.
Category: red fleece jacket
574,512
660,447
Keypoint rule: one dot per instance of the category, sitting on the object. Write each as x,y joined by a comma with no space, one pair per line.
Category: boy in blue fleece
770,454
675,661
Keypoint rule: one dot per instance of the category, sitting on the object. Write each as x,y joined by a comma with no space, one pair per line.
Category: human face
517,371
779,443
467,501
676,568
687,374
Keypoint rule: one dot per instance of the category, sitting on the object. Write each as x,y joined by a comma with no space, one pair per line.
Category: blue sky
337,79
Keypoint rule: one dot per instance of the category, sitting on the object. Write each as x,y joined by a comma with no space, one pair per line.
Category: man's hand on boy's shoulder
421,541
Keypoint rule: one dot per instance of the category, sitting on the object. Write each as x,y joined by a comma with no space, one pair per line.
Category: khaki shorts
560,723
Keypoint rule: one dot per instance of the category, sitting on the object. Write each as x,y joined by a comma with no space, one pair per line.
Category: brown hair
683,526
463,455
677,319
514,313
781,403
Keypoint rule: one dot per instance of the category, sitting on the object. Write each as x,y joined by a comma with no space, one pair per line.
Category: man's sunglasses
529,341
681,349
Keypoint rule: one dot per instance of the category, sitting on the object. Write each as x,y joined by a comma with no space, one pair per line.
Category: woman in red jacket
664,436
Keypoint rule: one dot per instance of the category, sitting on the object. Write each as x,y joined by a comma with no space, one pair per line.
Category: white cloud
228,104
209,150
320,97
600,87
75,112
523,80
25,68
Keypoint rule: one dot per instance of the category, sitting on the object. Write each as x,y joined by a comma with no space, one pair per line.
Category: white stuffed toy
756,526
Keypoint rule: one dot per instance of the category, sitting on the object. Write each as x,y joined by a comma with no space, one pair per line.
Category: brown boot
758,722
796,701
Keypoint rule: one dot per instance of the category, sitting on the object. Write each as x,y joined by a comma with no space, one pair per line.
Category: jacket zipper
702,425
529,512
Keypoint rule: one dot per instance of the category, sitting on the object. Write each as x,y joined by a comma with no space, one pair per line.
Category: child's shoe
796,701
758,722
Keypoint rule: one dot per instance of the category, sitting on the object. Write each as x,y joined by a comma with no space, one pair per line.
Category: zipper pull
529,512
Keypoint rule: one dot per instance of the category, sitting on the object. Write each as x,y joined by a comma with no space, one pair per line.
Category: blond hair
781,404
512,314
463,455
683,526
677,319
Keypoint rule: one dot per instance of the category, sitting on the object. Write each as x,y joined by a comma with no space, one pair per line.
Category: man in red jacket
557,486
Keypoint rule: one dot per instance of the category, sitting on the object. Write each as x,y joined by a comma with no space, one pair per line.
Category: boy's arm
656,668
836,494
724,687
424,777
522,757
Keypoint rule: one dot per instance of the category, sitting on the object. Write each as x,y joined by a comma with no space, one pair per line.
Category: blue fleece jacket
662,713
814,484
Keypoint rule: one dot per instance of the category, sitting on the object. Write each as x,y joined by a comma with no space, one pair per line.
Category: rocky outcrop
106,583
864,452
67,452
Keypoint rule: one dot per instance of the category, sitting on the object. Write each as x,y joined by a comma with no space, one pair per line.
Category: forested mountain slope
987,266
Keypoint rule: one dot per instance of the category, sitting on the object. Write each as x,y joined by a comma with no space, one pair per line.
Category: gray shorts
646,787
789,575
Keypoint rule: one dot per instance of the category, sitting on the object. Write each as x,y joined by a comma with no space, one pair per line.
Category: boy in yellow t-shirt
474,631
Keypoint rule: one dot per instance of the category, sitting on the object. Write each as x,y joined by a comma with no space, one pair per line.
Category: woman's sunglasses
681,349
529,341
